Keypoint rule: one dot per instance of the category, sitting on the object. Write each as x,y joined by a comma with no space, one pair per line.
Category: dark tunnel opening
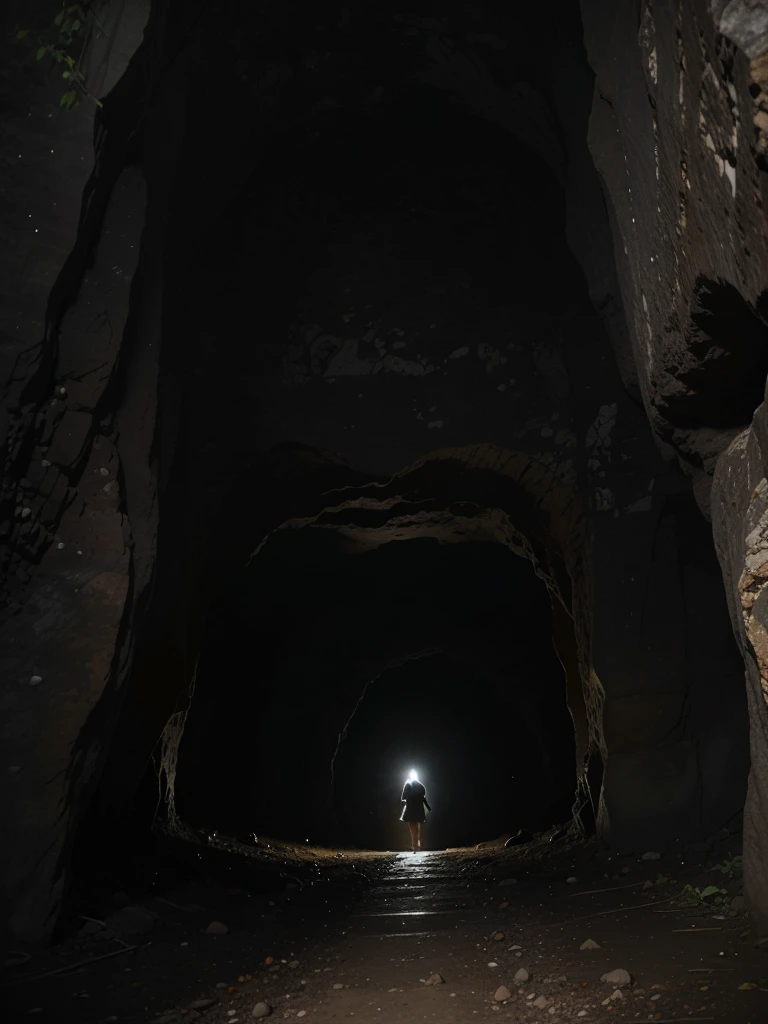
309,699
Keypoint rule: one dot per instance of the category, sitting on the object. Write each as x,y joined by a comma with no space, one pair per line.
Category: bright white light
413,776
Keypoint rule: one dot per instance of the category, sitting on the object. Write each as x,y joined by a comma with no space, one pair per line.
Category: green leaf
70,60
76,24
59,18
41,52
58,56
68,100
22,33
66,74
710,890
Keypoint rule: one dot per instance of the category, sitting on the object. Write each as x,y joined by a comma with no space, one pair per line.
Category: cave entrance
325,670
491,765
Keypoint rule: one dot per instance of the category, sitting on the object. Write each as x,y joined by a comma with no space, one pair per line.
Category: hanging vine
65,42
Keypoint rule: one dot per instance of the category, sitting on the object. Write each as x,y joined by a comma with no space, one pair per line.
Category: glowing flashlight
412,775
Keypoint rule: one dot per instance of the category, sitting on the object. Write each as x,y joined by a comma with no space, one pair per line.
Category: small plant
730,867
72,29
709,894
661,880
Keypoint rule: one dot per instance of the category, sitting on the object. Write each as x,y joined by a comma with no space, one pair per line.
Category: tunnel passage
309,694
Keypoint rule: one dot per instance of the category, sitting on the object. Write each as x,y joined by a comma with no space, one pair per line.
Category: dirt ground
327,935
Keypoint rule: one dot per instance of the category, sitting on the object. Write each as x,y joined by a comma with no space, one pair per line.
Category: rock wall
677,136
348,266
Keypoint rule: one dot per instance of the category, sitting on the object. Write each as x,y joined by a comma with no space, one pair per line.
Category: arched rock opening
296,644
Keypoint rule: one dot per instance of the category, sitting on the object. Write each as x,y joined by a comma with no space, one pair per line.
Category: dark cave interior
415,650
381,453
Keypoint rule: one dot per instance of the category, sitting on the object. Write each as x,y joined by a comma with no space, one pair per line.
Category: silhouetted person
415,799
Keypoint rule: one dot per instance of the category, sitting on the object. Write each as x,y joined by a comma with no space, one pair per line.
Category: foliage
661,880
730,867
709,894
71,31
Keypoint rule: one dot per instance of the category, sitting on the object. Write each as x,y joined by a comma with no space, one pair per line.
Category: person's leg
412,828
418,835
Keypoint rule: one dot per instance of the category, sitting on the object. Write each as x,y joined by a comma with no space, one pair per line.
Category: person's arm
426,803
406,788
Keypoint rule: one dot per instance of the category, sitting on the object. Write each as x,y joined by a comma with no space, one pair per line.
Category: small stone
540,1002
131,921
498,936
522,976
202,1004
618,994
35,680
216,928
620,978
571,880
338,985
493,963
261,1010
647,884
515,947
589,944
504,905
435,979
651,856
501,994
508,881
302,1013
582,1013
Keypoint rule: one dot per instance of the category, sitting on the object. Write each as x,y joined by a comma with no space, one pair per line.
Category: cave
398,648
383,393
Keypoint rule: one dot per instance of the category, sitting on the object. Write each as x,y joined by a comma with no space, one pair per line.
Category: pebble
522,976
216,928
261,1010
131,920
651,856
508,881
540,1002
338,985
501,994
619,977
498,936
435,979
589,944
201,1004
302,1013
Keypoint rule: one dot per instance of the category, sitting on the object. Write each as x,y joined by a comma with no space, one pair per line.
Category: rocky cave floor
436,936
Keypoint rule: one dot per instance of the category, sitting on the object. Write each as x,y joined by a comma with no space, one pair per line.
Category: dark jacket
415,799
